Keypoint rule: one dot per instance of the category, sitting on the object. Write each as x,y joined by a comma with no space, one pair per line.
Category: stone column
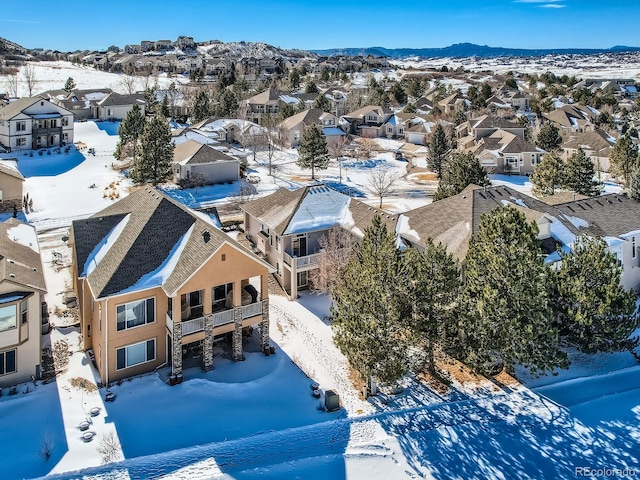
207,347
237,335
264,325
176,349
294,278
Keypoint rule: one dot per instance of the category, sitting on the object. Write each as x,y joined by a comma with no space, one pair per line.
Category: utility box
331,401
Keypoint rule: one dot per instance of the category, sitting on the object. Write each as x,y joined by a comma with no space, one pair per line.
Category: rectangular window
24,311
21,142
278,244
136,354
54,123
633,247
134,314
219,294
7,362
21,126
65,121
8,318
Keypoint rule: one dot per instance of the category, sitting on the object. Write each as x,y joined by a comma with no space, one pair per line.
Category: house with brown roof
597,145
367,121
474,129
115,106
32,123
504,151
261,104
571,119
152,276
286,228
210,164
22,291
292,128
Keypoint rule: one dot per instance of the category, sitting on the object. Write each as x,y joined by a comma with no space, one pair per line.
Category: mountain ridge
469,50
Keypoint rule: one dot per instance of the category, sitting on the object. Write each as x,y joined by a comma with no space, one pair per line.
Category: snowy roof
20,261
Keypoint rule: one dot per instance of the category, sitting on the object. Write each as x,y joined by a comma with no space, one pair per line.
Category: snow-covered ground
53,76
258,418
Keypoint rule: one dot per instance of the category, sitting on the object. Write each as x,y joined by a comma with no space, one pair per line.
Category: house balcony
302,264
222,321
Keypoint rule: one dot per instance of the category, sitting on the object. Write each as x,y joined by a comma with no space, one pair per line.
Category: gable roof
11,171
307,117
142,241
269,95
597,140
486,121
117,99
15,108
192,152
20,260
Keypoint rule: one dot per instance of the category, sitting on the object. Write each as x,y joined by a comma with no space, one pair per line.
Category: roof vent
12,275
206,236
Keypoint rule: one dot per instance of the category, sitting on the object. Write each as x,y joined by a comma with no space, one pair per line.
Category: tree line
394,311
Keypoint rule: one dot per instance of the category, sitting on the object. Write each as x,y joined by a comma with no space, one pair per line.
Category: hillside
8,47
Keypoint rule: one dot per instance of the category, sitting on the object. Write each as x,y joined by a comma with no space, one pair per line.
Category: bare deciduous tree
274,133
129,84
46,447
12,84
381,182
336,150
366,146
109,448
29,75
336,246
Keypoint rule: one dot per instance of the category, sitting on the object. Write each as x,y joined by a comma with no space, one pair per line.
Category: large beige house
11,188
22,290
152,276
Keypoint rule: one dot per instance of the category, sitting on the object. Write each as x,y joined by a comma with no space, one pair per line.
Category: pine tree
201,107
462,170
69,85
549,138
157,152
129,131
164,107
313,151
634,183
227,105
431,284
547,175
398,94
597,313
439,149
506,317
367,310
286,111
311,87
321,103
624,157
580,176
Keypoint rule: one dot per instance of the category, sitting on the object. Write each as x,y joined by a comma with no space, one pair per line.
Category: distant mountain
468,50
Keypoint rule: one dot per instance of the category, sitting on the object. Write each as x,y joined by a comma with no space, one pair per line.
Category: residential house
185,43
115,106
82,103
152,277
32,123
504,151
286,228
367,121
470,132
267,102
293,127
571,119
338,100
597,145
11,187
519,101
22,290
192,160
452,103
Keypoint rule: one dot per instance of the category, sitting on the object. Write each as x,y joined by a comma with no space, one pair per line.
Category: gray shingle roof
153,229
14,108
19,263
192,152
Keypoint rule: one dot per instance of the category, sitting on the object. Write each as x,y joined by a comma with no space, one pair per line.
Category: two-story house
286,228
506,152
152,276
267,102
293,127
22,290
32,123
115,106
367,121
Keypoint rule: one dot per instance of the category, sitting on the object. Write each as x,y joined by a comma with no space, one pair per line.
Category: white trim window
8,362
136,354
21,126
135,314
8,317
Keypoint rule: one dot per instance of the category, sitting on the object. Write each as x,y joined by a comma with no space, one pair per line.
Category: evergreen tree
431,284
311,87
580,175
322,103
634,183
156,152
129,131
624,157
201,107
507,318
398,94
596,312
439,149
151,98
164,107
547,175
462,170
367,310
69,85
313,151
286,111
524,122
294,78
228,105
549,138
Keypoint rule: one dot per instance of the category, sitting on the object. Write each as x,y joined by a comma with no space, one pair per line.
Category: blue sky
82,24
